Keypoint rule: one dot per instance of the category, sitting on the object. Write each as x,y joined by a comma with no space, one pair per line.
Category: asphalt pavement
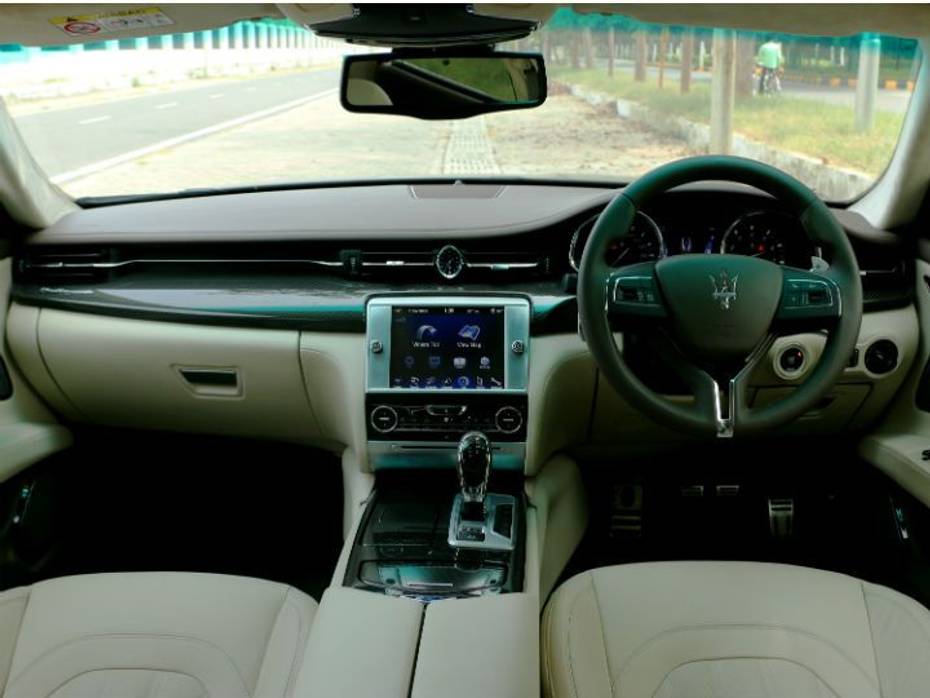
66,140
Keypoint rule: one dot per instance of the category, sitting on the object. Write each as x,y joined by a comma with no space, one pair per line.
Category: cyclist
770,60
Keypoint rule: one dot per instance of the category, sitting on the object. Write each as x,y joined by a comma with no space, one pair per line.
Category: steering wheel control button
791,360
809,298
636,294
518,347
384,419
508,419
881,357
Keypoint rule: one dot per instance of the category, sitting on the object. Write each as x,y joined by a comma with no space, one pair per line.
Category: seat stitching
268,637
300,631
568,643
868,617
163,671
726,626
158,636
600,623
782,659
19,630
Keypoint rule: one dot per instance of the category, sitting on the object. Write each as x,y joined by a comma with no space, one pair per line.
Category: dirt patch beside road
569,137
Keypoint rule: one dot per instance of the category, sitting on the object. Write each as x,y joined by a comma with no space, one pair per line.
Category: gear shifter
479,520
474,469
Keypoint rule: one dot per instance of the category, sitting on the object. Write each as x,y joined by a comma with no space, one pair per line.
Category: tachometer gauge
762,234
643,243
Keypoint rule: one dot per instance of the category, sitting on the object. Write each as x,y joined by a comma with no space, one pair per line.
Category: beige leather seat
732,630
152,635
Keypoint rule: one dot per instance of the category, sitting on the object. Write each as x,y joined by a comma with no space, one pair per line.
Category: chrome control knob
384,419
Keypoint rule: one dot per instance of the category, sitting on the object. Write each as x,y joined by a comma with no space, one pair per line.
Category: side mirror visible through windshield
442,85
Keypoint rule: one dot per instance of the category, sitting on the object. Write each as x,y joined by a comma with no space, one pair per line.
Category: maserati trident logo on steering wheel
724,288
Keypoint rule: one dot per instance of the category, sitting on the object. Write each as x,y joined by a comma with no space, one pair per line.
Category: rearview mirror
442,86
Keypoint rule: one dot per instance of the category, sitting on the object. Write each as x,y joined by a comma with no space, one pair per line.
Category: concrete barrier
246,48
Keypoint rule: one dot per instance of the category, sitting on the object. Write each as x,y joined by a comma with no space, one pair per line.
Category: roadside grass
826,132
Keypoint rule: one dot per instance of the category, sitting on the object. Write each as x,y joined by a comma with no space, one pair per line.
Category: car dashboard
256,314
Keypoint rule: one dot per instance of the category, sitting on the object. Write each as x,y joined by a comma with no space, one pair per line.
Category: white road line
216,96
94,120
166,105
101,165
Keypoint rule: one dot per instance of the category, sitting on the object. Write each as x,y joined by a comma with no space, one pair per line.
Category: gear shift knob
474,466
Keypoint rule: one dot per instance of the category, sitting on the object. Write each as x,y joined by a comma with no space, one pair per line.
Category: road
888,100
66,140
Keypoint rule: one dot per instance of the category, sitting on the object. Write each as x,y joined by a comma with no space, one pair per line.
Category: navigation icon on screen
470,332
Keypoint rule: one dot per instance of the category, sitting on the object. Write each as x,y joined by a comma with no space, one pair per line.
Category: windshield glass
257,103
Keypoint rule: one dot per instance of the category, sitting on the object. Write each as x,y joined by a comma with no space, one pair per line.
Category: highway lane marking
93,120
216,96
101,165
166,105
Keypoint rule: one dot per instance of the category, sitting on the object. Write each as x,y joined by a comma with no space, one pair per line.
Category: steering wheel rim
655,294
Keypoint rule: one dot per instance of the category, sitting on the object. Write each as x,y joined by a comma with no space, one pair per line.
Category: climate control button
384,419
508,419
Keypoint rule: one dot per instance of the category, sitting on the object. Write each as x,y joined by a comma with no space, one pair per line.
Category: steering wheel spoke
808,298
633,293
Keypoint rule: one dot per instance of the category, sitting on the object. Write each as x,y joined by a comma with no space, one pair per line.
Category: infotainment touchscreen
447,347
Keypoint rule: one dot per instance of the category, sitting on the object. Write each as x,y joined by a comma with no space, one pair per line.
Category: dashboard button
384,419
508,419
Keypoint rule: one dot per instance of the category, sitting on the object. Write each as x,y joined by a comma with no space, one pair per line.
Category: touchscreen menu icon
470,332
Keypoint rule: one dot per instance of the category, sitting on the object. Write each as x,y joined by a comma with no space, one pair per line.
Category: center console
440,366
446,414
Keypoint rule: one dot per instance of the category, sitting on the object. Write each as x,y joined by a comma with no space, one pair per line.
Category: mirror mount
440,83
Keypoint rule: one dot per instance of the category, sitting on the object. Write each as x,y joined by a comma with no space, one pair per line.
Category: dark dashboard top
309,259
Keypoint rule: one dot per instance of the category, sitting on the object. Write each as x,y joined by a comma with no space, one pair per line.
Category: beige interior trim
561,388
559,503
29,431
362,645
896,446
487,646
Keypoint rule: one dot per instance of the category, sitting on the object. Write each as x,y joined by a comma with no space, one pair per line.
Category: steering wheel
713,317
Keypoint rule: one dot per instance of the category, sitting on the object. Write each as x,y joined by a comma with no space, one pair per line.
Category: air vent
65,266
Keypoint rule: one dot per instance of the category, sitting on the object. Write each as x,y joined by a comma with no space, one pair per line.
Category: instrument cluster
766,233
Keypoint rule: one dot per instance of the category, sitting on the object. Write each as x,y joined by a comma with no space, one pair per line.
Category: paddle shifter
479,519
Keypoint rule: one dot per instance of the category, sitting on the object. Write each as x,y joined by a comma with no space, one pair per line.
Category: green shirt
770,55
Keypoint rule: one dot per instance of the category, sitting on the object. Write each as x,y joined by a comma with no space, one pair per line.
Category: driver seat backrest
152,635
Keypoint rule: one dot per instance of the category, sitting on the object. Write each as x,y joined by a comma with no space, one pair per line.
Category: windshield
257,103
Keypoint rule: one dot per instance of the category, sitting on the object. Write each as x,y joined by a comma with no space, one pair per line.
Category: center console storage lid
486,646
361,645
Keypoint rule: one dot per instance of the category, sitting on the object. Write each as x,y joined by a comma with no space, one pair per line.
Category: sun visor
431,25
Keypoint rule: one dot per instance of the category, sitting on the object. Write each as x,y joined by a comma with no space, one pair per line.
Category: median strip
101,165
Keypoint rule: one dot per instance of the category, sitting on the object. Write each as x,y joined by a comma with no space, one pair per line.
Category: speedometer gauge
765,234
642,243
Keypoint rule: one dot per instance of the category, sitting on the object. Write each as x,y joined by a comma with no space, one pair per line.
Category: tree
687,56
611,50
745,65
639,69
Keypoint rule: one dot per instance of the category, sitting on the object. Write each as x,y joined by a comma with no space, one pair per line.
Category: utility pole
722,91
870,53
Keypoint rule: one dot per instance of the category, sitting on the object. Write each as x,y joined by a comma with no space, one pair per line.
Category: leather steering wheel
713,317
